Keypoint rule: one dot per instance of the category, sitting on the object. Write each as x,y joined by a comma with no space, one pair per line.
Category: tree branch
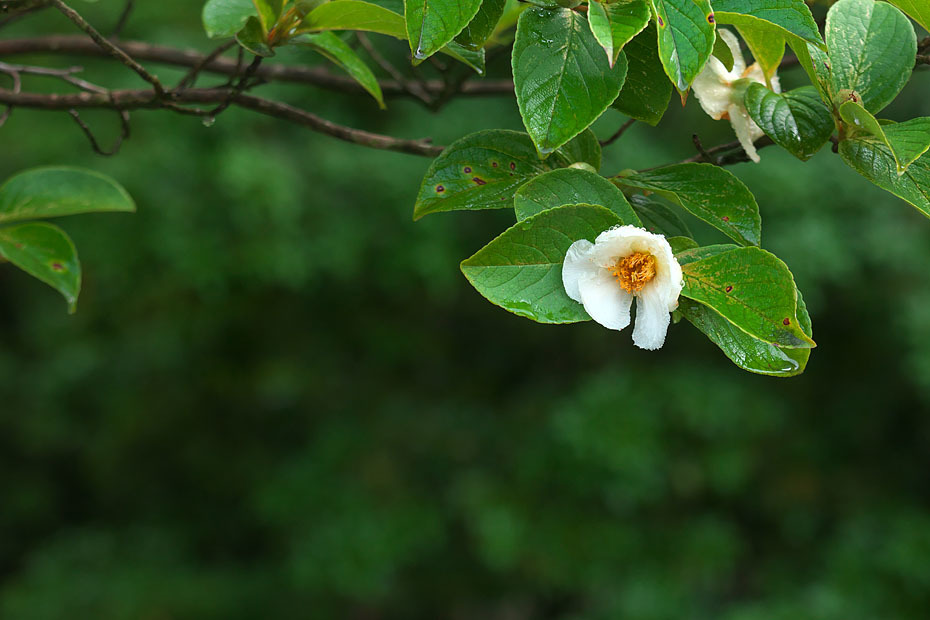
125,100
618,133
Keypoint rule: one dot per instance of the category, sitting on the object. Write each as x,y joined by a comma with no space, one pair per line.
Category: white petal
739,65
712,88
652,318
776,84
578,266
605,301
746,130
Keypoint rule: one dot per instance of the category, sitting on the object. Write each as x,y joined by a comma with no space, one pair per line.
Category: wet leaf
686,38
432,24
798,120
571,186
45,252
614,25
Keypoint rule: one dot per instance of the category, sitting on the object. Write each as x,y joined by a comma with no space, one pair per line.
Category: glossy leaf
708,192
45,252
658,217
582,148
870,157
561,75
767,44
792,17
646,93
906,141
340,53
472,58
872,48
753,290
816,64
480,28
686,38
482,171
432,24
355,15
521,270
571,186
797,120
58,191
224,18
919,10
614,25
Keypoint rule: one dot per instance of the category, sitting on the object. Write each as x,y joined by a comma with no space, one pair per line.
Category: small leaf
58,191
267,14
658,217
723,53
906,141
871,157
432,24
583,148
339,52
816,64
561,75
479,29
873,48
571,186
224,18
252,38
686,38
919,10
521,270
354,15
474,59
797,120
792,17
767,44
708,192
45,252
614,25
753,290
646,93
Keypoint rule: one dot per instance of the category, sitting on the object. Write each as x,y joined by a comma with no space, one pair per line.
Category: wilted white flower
623,263
714,88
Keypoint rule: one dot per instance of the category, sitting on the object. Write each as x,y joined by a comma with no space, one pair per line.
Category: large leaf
658,217
907,141
340,53
646,93
521,270
562,78
870,157
614,25
707,191
798,120
482,171
431,24
45,252
792,17
58,191
354,15
872,48
919,10
767,44
224,18
686,38
480,28
816,64
752,289
571,186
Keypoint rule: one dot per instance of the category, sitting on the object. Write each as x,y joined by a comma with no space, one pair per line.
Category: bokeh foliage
280,398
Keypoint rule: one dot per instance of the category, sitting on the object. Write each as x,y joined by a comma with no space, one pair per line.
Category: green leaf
686,38
267,14
680,244
906,141
745,351
873,48
252,38
919,10
224,18
432,24
583,148
646,93
614,25
59,191
816,64
723,53
658,217
695,254
562,79
571,186
482,171
752,289
767,44
339,52
45,252
354,15
474,59
521,270
479,29
708,192
871,157
798,120
792,17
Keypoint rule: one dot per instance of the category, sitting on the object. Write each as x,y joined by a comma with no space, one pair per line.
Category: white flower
717,95
623,263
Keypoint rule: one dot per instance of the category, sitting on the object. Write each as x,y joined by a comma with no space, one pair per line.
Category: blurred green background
279,397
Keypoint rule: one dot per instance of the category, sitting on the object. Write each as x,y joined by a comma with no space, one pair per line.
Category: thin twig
704,155
237,89
123,19
618,133
191,76
113,150
62,74
413,88
17,88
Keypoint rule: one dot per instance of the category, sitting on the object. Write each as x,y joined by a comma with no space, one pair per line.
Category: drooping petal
746,130
578,266
605,301
652,318
712,89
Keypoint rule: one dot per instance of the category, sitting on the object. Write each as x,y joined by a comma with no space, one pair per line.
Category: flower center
635,271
